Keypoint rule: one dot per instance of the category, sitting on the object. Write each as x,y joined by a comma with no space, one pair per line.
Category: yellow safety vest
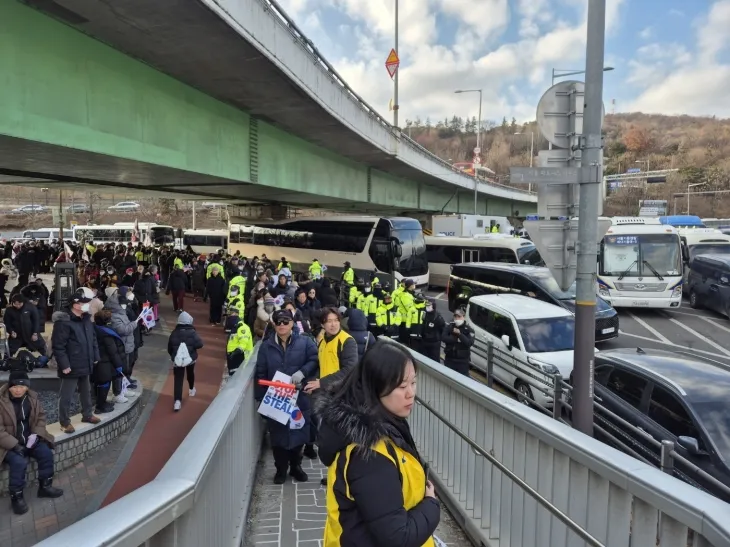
242,340
413,486
329,358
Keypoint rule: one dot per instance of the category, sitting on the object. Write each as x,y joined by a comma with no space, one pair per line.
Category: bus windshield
162,235
644,255
413,261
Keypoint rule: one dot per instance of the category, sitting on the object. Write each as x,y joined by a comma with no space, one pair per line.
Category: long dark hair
381,370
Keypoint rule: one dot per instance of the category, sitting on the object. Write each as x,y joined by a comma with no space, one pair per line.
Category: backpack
182,357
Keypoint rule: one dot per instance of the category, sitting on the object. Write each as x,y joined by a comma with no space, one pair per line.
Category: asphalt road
700,333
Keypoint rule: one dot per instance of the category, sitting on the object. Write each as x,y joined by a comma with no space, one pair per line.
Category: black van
709,283
477,278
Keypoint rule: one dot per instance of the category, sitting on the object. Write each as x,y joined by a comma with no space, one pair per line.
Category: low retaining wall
88,438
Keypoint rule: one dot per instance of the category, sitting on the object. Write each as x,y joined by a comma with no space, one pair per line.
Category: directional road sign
556,241
392,63
477,160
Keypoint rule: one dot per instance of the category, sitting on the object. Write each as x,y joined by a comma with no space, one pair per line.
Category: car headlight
602,291
677,292
544,367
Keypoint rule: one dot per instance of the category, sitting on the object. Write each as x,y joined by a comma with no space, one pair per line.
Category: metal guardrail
560,407
613,498
202,494
287,23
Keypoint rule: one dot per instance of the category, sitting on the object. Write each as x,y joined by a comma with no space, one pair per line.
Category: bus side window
498,254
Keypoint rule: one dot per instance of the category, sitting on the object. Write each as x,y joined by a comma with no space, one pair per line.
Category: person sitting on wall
23,434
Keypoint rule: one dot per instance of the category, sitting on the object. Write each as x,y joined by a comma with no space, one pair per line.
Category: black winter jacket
457,347
178,281
111,355
74,344
184,334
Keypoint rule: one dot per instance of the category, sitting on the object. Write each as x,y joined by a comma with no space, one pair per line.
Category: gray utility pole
587,250
395,79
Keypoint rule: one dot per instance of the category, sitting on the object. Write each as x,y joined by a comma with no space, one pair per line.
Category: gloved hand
297,377
19,450
119,370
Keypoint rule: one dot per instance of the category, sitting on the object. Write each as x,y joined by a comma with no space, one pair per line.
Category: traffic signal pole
587,248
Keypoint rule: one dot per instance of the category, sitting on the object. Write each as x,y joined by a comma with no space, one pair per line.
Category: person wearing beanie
183,358
23,434
265,309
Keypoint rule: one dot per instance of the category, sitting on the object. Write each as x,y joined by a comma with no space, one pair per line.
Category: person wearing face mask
120,323
378,492
433,327
76,352
264,310
458,338
215,289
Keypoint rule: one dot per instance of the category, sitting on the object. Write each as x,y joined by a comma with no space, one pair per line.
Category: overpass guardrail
509,475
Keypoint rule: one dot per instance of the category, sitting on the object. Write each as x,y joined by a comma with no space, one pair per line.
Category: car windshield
547,334
529,255
709,249
715,416
549,285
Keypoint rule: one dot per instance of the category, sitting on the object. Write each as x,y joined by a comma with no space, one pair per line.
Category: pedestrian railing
516,477
201,496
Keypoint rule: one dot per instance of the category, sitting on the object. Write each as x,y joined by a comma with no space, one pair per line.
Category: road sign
560,113
552,175
633,170
477,150
556,242
392,63
477,160
652,207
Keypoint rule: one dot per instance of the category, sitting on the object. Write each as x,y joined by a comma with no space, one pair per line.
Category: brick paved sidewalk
86,484
293,514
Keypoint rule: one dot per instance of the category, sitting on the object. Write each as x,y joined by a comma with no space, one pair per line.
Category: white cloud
646,33
675,80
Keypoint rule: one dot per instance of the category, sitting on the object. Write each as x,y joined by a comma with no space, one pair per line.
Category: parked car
478,278
533,341
29,210
669,396
123,206
211,205
709,283
78,208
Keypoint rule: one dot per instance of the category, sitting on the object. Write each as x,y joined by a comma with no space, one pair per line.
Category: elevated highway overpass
206,99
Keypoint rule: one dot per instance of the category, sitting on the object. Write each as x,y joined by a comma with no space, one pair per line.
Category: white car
532,341
28,210
125,206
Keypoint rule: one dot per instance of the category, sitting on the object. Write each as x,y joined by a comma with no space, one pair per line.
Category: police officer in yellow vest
315,269
337,352
387,318
239,347
378,492
405,305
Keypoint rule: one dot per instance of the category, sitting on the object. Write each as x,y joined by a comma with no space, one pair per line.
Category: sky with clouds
670,56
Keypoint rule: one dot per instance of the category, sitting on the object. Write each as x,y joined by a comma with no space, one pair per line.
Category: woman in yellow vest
378,492
337,351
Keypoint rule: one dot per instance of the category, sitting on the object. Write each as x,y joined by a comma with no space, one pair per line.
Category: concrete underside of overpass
79,113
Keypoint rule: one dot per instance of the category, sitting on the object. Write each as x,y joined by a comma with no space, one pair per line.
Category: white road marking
648,327
701,337
695,313
440,296
672,344
711,322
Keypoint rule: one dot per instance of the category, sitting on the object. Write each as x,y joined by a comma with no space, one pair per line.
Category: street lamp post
479,139
688,189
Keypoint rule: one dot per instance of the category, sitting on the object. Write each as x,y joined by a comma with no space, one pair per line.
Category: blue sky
670,56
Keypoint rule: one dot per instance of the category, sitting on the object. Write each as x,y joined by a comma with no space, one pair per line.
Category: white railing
516,477
202,494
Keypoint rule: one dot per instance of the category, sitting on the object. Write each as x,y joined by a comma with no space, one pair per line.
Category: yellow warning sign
392,58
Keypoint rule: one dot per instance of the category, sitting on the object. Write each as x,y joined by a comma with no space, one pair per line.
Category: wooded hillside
698,147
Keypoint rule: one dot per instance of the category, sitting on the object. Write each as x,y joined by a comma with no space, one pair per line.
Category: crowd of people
355,393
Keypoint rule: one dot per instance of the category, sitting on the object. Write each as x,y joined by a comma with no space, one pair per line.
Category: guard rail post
666,457
490,364
557,396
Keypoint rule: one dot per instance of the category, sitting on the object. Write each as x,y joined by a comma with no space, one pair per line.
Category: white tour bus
43,234
640,264
393,246
445,251
121,232
205,241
